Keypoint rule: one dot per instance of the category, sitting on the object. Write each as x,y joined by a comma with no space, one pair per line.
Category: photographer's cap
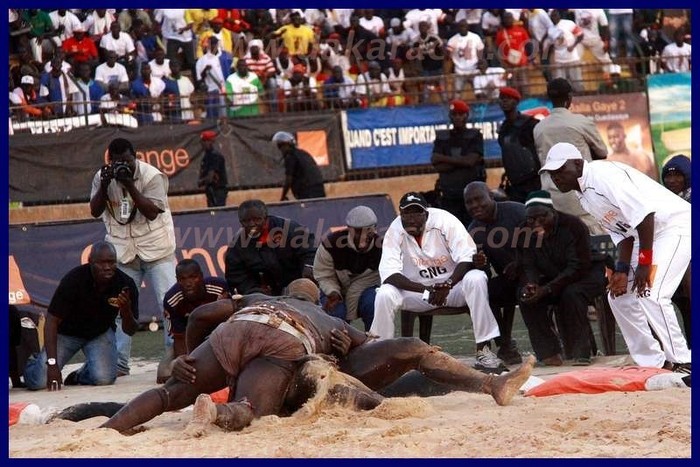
413,198
558,155
360,217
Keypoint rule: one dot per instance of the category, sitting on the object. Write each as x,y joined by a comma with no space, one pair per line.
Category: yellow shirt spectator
296,38
224,35
200,18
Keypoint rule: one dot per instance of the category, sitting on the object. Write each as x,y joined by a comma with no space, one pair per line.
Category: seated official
557,270
346,267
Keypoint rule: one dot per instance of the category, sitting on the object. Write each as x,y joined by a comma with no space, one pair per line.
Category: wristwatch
51,361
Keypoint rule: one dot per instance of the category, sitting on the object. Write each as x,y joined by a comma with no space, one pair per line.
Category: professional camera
121,170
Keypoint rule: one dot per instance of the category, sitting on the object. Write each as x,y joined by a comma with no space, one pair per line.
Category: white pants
472,291
635,315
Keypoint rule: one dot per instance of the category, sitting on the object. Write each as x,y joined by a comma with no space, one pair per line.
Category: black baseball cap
413,198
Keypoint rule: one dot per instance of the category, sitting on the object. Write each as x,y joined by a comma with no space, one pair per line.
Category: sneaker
509,354
681,368
488,362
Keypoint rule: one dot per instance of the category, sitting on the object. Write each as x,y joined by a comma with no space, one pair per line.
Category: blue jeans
99,369
160,275
621,29
365,307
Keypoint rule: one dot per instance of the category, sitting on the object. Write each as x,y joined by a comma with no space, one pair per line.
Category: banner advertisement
623,122
397,136
44,253
669,108
60,167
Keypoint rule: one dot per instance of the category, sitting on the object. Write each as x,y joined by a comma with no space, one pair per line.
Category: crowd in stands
180,64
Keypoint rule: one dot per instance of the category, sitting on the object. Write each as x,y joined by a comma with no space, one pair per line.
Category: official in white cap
651,227
346,267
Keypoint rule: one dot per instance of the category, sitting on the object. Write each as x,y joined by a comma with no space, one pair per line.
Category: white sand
613,424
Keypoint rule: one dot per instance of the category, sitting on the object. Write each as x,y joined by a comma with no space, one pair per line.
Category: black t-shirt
459,143
307,181
85,312
216,162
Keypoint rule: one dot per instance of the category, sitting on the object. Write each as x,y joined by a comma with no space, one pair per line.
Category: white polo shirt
444,244
620,197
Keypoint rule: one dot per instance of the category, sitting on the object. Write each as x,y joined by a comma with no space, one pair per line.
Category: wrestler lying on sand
262,348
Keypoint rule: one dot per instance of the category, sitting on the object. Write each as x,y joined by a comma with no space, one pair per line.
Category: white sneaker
488,362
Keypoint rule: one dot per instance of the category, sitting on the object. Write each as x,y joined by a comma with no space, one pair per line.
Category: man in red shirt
80,49
511,40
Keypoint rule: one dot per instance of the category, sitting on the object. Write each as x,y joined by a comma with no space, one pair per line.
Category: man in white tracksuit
651,227
427,263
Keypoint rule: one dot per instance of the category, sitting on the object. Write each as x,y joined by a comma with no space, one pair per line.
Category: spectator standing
596,35
538,25
217,30
176,31
565,38
465,49
213,74
563,125
511,41
675,57
212,172
97,24
64,23
621,22
518,151
58,90
180,88
87,97
458,157
400,38
301,174
428,49
298,38
243,91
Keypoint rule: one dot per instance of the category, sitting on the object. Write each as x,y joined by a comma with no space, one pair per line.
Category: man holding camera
131,197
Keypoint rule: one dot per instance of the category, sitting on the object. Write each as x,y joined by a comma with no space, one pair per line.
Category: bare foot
203,416
505,386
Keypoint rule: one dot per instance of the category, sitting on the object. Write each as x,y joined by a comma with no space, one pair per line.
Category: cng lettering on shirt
444,244
620,197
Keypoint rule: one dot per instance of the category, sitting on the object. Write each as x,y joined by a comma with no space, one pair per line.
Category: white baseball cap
558,155
26,79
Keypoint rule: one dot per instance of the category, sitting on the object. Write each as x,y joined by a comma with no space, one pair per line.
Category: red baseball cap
459,106
208,135
510,92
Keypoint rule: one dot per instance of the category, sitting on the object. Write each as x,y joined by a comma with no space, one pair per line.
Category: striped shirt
177,309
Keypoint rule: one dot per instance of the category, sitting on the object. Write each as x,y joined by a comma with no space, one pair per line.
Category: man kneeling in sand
260,347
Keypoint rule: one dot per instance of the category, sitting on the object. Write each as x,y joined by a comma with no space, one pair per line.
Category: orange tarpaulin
18,294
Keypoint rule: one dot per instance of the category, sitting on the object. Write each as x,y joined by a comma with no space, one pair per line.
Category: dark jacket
453,143
251,264
563,258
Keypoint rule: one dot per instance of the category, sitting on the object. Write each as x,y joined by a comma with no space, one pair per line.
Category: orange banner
18,294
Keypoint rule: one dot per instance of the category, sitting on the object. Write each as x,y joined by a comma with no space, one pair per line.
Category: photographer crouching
131,197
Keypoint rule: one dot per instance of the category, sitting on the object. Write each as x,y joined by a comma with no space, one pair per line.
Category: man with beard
268,252
346,267
81,316
557,270
427,262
